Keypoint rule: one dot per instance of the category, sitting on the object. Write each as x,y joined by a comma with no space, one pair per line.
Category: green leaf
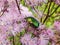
23,2
11,37
32,35
19,44
48,24
22,33
49,43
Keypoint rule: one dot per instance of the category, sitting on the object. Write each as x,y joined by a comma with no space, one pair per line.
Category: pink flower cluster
57,25
57,1
11,21
43,38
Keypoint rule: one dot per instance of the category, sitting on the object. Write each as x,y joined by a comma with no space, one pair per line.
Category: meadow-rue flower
57,25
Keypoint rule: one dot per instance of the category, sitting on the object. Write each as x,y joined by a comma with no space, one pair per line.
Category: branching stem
18,6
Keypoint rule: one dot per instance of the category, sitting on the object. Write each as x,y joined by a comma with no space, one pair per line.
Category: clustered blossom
27,40
57,25
57,1
43,38
12,22
3,36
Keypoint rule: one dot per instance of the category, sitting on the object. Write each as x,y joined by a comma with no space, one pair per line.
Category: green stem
47,13
18,6
52,7
13,41
45,7
54,11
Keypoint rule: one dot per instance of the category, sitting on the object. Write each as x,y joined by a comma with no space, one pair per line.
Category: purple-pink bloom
27,40
57,25
57,1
